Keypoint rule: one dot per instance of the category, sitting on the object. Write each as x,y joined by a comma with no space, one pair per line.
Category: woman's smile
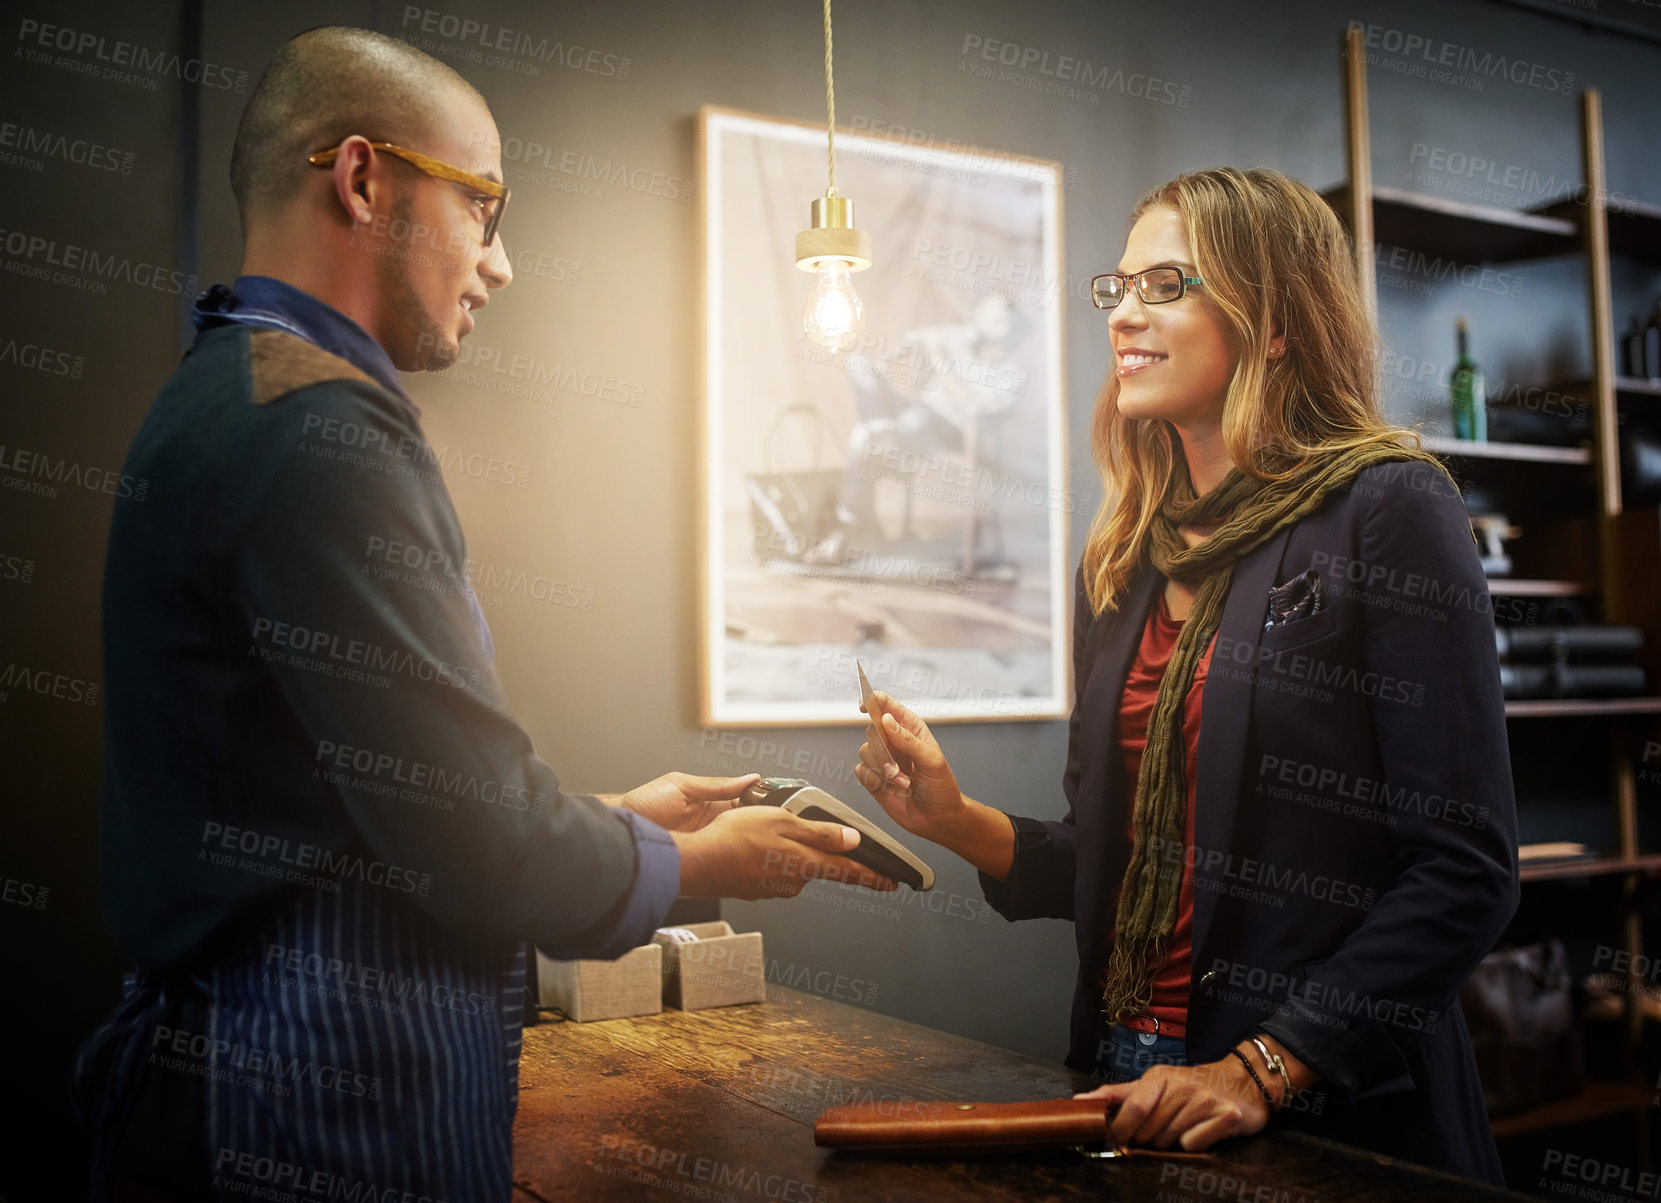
1133,361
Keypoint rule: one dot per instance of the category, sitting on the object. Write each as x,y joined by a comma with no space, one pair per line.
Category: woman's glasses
1156,286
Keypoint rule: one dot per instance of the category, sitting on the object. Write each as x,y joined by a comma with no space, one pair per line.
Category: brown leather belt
1150,1023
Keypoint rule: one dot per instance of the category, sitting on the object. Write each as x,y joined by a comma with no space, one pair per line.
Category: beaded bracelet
1268,1101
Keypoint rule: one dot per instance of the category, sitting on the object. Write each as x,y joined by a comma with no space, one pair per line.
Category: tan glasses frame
438,169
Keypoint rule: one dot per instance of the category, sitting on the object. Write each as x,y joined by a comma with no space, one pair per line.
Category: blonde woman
1290,833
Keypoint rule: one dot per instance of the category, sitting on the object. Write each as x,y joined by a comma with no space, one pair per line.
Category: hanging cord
830,103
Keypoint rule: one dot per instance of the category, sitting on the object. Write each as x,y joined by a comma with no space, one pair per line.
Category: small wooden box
721,969
590,990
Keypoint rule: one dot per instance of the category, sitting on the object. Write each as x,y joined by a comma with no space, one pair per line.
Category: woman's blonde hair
1273,256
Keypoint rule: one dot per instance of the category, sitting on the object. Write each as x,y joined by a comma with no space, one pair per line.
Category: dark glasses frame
1139,282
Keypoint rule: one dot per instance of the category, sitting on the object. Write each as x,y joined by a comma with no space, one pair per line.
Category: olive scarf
1251,512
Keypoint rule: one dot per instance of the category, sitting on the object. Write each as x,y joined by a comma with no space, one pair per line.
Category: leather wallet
972,1127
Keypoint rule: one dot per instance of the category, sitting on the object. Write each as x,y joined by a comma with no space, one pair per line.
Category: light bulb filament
832,314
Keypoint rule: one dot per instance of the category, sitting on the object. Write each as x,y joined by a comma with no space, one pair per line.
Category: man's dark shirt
322,825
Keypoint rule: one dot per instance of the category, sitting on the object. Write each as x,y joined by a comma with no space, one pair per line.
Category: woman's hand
1196,1105
921,793
681,802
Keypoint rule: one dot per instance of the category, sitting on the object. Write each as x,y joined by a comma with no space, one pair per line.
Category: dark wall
609,693
76,369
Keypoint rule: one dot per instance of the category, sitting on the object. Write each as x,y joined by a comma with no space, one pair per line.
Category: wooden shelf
1635,230
1634,225
1539,453
1512,586
1633,386
1459,231
1570,707
1603,866
1398,231
1625,386
1598,1100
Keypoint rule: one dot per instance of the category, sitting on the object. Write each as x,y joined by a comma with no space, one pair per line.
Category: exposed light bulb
832,314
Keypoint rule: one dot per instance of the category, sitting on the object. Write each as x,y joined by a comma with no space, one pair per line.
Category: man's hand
1196,1105
680,802
764,852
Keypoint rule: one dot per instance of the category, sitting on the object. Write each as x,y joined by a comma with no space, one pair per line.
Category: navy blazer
1355,831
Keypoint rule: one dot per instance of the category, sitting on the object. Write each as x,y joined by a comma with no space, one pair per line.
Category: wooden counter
719,1105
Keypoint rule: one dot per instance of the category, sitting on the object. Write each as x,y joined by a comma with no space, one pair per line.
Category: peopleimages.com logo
480,41
40,473
127,62
1441,61
278,856
29,142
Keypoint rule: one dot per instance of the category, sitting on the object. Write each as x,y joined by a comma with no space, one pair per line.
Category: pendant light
831,246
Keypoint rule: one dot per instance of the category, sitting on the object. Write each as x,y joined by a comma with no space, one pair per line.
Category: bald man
326,840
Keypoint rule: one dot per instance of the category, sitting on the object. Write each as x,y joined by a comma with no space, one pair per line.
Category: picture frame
901,505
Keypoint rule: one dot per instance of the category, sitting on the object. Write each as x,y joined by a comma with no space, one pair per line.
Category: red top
1159,637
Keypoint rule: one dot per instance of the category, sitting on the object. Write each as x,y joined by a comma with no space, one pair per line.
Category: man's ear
354,179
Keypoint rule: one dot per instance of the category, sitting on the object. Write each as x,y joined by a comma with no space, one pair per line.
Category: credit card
872,731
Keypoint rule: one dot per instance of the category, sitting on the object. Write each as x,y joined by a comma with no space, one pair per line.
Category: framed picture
900,504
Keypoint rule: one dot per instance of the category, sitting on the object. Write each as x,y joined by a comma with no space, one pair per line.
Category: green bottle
1470,399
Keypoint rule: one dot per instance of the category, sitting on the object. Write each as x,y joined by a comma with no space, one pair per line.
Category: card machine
877,851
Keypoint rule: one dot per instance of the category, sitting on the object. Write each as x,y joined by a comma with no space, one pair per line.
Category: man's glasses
441,170
1155,286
